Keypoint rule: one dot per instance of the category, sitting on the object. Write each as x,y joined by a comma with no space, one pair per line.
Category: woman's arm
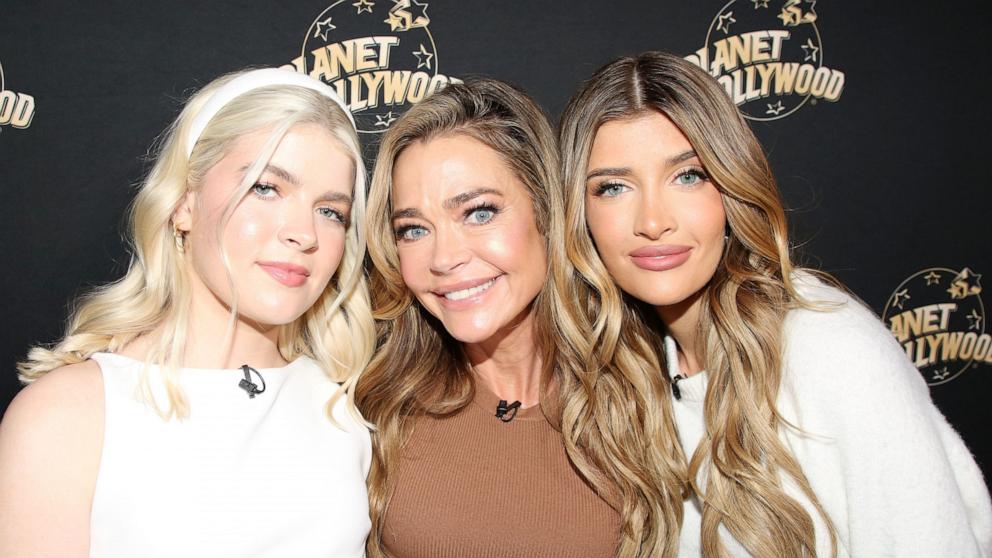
50,443
907,485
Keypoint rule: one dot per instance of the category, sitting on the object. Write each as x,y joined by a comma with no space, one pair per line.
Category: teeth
465,293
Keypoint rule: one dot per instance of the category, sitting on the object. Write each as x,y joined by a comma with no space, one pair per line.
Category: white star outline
900,297
775,109
811,50
975,319
760,4
423,57
385,120
724,21
364,6
323,27
932,278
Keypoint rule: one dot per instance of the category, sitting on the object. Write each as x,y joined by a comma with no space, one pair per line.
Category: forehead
309,153
631,139
433,170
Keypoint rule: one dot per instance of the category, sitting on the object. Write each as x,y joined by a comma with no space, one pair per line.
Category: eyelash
258,185
690,171
484,206
336,215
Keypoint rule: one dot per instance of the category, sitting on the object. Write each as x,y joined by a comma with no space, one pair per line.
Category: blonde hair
154,294
400,385
741,456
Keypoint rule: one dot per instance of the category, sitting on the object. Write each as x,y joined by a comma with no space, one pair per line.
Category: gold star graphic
975,319
900,297
965,283
323,27
364,6
423,57
933,278
395,21
811,50
724,21
941,374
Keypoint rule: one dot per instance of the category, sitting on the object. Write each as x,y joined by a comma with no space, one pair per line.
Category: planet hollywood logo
768,55
16,109
379,55
938,316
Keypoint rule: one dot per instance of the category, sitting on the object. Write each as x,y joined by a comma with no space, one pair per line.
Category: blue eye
410,233
481,215
332,214
264,191
610,189
690,177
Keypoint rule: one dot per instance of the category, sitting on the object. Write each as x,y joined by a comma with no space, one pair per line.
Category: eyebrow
278,171
405,213
464,197
626,171
332,197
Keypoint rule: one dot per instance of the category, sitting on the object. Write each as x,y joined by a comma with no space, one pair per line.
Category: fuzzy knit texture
472,485
269,477
894,477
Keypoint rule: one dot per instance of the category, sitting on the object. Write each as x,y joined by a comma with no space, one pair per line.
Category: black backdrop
886,185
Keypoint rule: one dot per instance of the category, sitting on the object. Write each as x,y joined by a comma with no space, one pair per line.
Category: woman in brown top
493,436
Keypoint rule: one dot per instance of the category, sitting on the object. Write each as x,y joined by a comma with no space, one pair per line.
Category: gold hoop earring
180,239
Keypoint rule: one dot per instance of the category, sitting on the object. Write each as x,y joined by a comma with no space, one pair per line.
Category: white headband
248,81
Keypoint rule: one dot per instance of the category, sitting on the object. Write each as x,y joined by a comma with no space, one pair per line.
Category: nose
298,230
652,218
450,251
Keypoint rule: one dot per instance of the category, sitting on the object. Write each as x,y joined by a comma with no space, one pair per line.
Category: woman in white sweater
193,407
802,429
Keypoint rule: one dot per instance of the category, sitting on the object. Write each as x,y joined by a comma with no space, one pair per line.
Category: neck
509,363
682,323
211,339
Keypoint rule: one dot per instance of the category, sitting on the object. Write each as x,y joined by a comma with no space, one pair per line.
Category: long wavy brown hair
741,456
401,385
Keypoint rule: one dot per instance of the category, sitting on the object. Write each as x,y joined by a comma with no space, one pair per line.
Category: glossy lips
660,258
288,274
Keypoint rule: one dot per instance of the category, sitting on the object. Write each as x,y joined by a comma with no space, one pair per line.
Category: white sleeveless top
240,477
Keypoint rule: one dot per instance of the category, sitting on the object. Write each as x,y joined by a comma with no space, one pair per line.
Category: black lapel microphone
675,386
248,385
506,411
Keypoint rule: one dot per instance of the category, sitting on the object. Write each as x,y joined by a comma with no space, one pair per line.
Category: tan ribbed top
472,485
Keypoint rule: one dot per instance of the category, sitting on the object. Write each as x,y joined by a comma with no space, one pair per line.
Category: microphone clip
506,411
248,385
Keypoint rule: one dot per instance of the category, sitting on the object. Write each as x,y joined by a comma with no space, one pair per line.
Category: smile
471,291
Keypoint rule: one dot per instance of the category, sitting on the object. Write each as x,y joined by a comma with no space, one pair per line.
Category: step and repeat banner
873,114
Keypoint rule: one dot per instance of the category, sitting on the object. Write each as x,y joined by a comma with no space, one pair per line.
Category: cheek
413,265
608,228
708,219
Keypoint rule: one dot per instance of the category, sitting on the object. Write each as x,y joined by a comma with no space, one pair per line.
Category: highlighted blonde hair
401,384
154,294
741,456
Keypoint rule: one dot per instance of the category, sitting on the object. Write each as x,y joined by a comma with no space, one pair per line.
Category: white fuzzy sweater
894,477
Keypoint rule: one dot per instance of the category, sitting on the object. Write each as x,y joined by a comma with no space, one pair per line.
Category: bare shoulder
69,394
51,439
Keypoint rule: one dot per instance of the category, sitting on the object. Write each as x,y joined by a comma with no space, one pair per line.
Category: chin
469,332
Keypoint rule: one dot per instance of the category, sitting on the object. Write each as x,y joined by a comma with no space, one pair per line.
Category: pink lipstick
288,274
660,258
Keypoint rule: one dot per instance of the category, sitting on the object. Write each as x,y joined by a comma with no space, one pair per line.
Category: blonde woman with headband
805,429
202,404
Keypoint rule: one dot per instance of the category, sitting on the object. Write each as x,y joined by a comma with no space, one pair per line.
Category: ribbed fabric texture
472,485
